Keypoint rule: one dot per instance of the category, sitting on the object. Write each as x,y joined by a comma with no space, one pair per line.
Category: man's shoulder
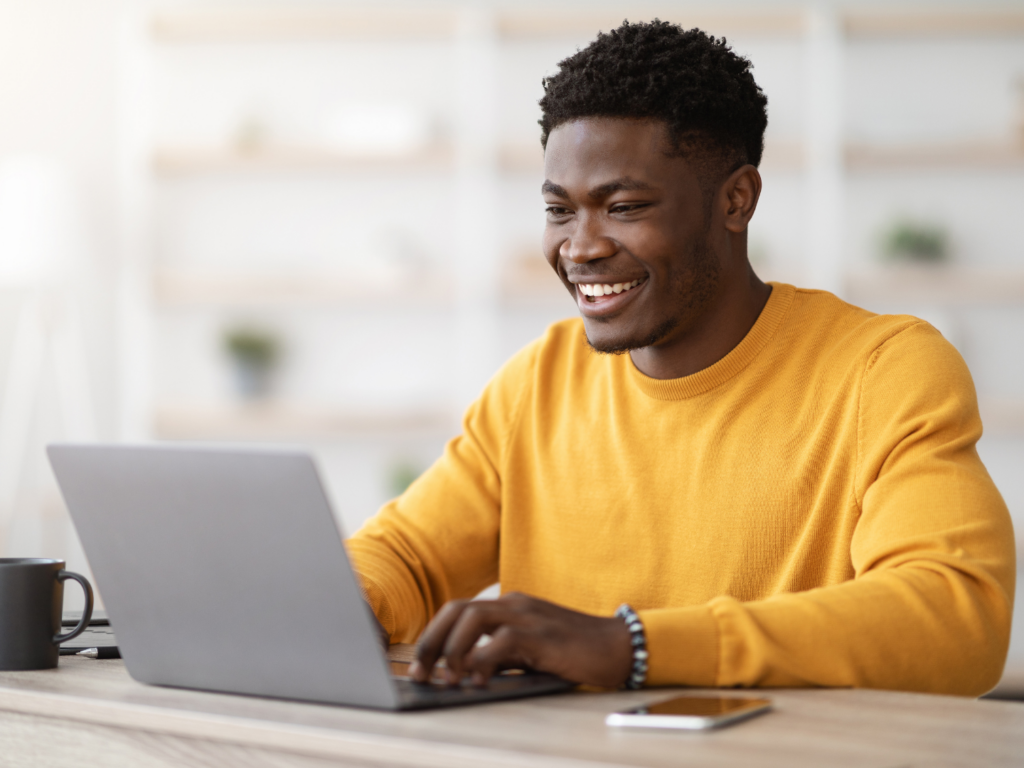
831,326
562,341
562,346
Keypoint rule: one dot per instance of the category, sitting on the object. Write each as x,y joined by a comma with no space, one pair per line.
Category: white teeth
604,289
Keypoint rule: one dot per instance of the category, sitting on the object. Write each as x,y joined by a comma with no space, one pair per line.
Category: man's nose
587,243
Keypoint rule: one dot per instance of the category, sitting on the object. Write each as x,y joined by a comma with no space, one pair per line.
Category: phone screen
700,706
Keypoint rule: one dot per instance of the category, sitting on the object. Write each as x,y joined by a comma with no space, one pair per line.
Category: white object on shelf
377,129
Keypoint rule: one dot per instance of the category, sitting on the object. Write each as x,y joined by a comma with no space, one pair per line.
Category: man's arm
439,540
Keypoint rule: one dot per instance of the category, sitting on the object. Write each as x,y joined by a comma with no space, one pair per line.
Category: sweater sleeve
439,540
930,605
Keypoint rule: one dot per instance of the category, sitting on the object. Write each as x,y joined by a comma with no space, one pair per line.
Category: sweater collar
740,357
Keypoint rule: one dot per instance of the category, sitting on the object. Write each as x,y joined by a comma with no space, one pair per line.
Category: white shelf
173,290
947,286
178,161
276,421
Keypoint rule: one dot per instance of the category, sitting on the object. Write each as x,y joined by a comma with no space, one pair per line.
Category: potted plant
254,354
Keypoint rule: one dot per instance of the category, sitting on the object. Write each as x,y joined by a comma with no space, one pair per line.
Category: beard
694,291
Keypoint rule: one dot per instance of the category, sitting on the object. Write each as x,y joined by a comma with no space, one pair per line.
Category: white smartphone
691,712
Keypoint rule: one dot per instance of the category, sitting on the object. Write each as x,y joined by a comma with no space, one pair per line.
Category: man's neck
727,321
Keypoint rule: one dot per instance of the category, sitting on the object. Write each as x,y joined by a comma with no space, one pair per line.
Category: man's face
626,220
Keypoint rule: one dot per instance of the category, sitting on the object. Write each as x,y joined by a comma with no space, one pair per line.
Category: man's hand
526,633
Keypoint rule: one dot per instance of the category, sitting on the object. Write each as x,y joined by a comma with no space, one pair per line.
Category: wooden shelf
1002,417
938,285
305,24
981,154
270,290
934,23
533,24
276,421
199,160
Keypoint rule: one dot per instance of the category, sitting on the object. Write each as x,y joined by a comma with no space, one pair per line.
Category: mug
31,602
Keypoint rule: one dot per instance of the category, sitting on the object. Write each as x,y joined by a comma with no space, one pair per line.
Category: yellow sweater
810,510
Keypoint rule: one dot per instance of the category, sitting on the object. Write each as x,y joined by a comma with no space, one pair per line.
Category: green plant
252,346
916,241
400,476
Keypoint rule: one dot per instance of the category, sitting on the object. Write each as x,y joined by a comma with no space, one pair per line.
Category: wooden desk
90,713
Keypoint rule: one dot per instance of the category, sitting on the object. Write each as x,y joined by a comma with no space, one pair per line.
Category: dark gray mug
31,601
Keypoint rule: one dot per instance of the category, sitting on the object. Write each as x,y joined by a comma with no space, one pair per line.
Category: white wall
58,99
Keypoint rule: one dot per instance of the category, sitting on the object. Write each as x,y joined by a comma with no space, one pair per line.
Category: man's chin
605,340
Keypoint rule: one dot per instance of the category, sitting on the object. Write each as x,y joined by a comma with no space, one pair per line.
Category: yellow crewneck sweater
810,510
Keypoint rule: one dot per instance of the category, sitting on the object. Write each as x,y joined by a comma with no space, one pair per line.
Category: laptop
224,570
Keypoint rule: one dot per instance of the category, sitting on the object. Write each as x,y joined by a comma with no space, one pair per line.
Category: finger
431,642
507,650
480,618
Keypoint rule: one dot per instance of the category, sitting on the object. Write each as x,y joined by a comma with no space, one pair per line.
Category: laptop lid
224,570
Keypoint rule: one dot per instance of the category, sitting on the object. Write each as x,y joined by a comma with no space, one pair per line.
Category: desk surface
90,712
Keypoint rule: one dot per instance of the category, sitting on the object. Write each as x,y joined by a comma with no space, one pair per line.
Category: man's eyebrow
625,184
554,189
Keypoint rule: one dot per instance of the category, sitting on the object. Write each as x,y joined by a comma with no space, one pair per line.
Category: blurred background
318,223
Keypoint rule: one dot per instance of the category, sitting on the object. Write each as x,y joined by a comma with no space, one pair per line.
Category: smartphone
691,712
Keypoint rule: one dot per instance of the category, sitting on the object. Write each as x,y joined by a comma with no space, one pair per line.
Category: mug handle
86,614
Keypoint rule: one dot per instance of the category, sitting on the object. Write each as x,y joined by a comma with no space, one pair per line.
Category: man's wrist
638,647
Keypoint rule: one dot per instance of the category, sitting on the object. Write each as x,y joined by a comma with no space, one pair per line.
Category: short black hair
696,84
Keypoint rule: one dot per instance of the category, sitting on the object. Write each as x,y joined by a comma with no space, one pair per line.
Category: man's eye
554,210
628,207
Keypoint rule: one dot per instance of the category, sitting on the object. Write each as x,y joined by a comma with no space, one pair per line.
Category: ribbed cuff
682,644
382,584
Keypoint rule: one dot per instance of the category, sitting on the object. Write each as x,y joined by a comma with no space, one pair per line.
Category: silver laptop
224,570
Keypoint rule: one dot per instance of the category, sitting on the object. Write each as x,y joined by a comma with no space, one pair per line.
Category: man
783,487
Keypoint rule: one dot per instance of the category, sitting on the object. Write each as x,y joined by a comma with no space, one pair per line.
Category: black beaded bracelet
638,674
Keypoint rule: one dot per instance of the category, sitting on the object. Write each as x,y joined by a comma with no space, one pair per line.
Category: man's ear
739,197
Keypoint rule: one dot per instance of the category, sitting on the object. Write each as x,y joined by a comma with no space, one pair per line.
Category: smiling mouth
596,290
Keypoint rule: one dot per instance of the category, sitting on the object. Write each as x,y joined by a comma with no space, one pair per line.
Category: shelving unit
473,164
